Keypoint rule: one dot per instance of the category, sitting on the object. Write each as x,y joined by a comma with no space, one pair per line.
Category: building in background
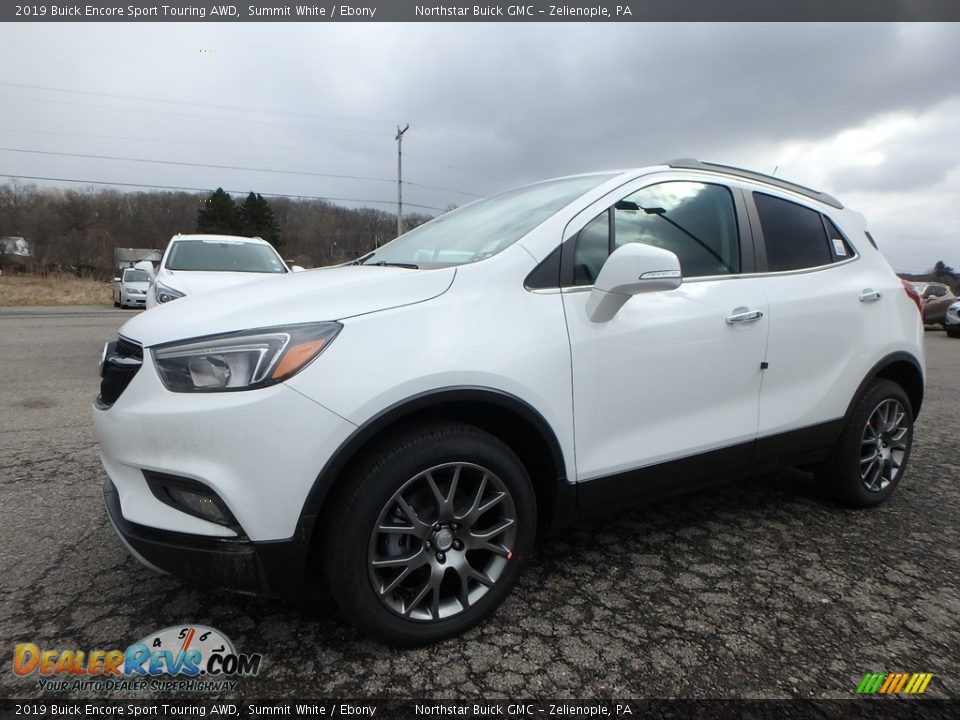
15,253
128,257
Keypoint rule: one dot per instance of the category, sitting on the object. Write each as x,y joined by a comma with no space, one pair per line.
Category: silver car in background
130,289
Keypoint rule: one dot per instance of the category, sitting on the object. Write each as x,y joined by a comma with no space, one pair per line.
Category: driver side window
696,221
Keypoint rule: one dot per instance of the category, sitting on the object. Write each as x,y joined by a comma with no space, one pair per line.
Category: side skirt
674,477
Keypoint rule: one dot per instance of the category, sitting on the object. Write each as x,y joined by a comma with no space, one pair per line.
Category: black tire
368,499
857,475
116,303
952,331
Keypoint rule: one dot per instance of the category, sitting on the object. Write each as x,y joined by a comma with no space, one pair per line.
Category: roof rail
691,164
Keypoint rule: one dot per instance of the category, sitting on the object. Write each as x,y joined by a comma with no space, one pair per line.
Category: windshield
484,228
223,256
135,276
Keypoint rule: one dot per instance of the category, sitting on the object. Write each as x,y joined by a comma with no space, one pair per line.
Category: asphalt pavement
756,589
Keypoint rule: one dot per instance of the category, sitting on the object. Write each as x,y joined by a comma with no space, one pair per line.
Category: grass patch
53,289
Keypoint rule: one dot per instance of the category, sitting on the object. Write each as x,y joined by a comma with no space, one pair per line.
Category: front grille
121,362
128,348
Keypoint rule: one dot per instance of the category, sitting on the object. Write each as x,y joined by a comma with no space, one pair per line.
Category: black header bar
459,11
517,709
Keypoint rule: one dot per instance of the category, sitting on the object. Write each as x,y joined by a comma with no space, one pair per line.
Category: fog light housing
191,497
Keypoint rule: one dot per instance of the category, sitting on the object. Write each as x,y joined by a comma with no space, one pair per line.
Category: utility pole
399,139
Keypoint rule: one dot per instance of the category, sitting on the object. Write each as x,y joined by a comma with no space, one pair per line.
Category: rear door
825,318
674,373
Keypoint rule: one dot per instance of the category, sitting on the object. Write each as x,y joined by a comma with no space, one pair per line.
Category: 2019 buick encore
399,429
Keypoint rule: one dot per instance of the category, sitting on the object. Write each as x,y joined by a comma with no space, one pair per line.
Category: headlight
165,294
242,360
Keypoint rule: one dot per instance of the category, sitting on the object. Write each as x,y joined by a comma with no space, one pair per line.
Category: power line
218,118
444,136
231,167
483,150
324,147
232,108
205,190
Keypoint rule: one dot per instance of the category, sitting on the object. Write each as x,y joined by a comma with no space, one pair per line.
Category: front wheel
428,535
952,330
871,456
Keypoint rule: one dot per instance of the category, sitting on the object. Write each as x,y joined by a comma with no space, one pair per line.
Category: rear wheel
430,533
868,462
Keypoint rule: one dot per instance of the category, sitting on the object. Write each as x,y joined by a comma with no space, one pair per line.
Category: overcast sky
868,112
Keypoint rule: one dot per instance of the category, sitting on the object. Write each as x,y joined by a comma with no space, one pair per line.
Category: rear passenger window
794,235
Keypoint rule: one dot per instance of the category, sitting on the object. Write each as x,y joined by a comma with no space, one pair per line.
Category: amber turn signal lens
296,357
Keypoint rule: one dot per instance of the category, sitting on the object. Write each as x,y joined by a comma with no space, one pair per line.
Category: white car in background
951,322
130,289
194,264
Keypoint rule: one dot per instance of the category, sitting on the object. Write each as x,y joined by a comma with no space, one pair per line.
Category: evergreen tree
218,214
257,219
941,269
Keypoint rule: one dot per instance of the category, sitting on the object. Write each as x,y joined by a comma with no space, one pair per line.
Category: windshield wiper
362,259
384,263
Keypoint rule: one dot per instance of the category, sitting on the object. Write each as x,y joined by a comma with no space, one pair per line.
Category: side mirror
630,270
296,268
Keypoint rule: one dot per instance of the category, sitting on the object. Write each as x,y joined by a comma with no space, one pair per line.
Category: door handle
869,295
743,315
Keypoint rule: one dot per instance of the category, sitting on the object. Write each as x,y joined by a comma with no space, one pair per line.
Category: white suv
203,263
398,430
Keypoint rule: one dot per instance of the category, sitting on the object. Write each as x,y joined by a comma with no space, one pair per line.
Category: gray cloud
490,105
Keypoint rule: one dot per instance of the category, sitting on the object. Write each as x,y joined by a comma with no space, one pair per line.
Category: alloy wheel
883,445
442,541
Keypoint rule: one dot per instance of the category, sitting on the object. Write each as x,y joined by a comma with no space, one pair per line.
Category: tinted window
135,276
593,247
696,221
841,247
793,235
223,256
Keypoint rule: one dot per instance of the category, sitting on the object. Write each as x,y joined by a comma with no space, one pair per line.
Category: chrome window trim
731,276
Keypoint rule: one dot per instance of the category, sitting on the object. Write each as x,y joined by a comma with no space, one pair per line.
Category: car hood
136,286
191,282
314,295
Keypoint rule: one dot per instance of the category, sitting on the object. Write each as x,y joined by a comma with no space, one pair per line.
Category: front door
675,373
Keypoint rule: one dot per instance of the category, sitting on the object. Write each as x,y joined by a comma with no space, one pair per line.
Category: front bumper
270,568
260,451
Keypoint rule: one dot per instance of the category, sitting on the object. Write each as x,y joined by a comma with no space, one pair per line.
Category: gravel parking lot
753,589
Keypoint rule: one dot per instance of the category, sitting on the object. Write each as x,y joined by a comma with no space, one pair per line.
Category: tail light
912,293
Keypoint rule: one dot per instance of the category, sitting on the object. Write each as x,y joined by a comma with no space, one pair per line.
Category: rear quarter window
839,245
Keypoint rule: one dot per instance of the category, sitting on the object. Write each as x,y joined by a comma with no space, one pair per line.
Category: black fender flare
879,367
566,500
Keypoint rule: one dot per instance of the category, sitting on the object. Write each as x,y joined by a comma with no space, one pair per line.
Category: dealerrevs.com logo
185,657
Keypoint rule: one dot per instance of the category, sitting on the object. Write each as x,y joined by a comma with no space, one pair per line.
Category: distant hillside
76,231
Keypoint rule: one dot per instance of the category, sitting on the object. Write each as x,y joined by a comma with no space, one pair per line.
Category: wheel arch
903,369
512,420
